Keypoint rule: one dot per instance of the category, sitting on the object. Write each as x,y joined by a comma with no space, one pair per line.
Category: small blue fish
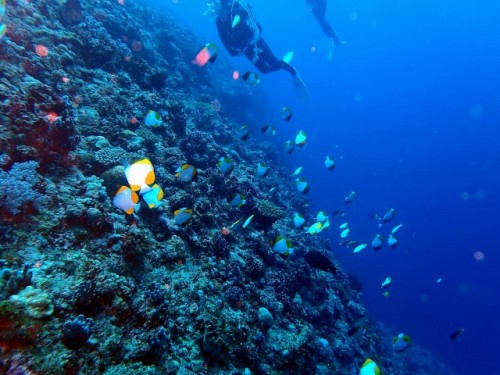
350,197
298,220
251,78
268,130
377,242
401,342
286,113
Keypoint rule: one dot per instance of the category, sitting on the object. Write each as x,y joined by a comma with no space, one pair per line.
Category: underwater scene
249,187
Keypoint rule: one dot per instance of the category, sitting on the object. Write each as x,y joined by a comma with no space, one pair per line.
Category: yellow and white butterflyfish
377,242
186,172
127,200
286,113
225,165
182,216
350,197
243,132
401,342
315,228
140,175
247,221
297,171
321,216
302,185
154,196
283,246
289,147
329,163
288,57
301,139
392,241
369,368
237,200
298,220
153,119
262,169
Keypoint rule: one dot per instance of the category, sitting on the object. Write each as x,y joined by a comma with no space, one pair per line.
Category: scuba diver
318,9
241,35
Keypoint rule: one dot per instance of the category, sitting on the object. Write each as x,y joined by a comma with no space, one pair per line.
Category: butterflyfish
127,200
237,200
321,216
186,172
140,175
268,130
329,163
251,78
182,216
298,220
301,185
300,139
262,169
401,342
392,241
289,147
225,165
369,368
283,246
377,242
153,119
243,132
286,113
154,196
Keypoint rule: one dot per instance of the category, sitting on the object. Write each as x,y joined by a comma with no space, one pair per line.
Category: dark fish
456,334
320,261
355,330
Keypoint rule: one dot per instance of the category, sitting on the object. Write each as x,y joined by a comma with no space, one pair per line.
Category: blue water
410,110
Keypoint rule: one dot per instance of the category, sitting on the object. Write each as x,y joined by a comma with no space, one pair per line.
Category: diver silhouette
318,9
240,34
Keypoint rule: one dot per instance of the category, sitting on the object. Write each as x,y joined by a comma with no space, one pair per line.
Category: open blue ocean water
409,108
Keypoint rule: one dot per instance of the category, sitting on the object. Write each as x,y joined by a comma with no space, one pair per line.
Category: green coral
269,211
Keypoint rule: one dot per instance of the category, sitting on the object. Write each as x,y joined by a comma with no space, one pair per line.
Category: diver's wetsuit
243,37
318,9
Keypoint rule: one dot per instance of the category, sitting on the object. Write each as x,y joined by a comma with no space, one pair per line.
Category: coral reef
86,288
